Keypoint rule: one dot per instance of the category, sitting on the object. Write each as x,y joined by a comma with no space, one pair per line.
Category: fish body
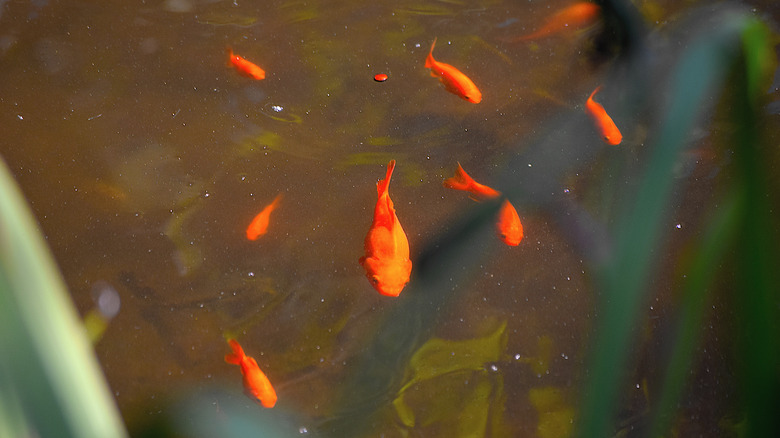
386,261
256,383
508,225
453,79
576,15
245,67
604,123
259,225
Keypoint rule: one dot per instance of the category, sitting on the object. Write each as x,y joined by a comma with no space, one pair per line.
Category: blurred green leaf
48,371
703,67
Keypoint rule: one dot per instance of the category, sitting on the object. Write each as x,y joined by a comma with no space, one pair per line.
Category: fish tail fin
382,185
230,54
461,180
429,61
594,92
277,200
238,353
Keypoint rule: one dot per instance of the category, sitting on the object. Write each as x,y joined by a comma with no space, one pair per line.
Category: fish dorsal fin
384,214
429,61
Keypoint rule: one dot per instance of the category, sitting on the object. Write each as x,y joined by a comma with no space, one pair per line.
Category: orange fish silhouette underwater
259,225
576,15
604,123
256,383
245,67
386,261
508,226
454,81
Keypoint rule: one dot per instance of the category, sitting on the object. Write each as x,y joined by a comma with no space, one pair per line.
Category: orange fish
259,225
508,226
386,261
576,15
462,181
245,67
454,81
609,132
256,383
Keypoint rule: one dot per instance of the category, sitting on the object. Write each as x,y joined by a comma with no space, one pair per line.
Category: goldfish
245,67
609,132
454,81
256,383
578,14
259,225
462,181
386,261
508,225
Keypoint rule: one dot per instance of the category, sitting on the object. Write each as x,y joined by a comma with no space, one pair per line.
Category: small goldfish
578,14
454,81
508,226
462,181
386,261
256,383
245,67
609,132
259,225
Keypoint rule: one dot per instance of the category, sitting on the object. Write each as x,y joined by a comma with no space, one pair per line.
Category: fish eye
375,280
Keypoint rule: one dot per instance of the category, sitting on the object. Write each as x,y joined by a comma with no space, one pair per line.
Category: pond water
144,157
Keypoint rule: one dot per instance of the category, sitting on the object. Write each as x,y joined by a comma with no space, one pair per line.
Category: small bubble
678,226
566,190
251,274
517,356
303,430
277,108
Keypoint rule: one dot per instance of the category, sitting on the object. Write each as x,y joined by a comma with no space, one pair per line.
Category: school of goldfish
386,261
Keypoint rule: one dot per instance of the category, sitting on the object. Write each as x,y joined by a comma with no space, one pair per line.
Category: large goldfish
508,225
386,261
259,225
454,81
604,123
578,14
256,383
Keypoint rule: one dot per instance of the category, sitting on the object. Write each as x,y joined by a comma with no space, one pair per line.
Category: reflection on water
145,157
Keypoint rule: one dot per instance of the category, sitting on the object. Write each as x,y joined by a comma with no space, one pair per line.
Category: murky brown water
144,157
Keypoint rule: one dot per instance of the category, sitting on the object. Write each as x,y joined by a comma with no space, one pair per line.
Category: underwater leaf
556,417
449,385
367,158
438,357
459,404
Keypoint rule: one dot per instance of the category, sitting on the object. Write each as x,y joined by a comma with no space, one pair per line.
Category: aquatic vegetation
552,338
424,402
